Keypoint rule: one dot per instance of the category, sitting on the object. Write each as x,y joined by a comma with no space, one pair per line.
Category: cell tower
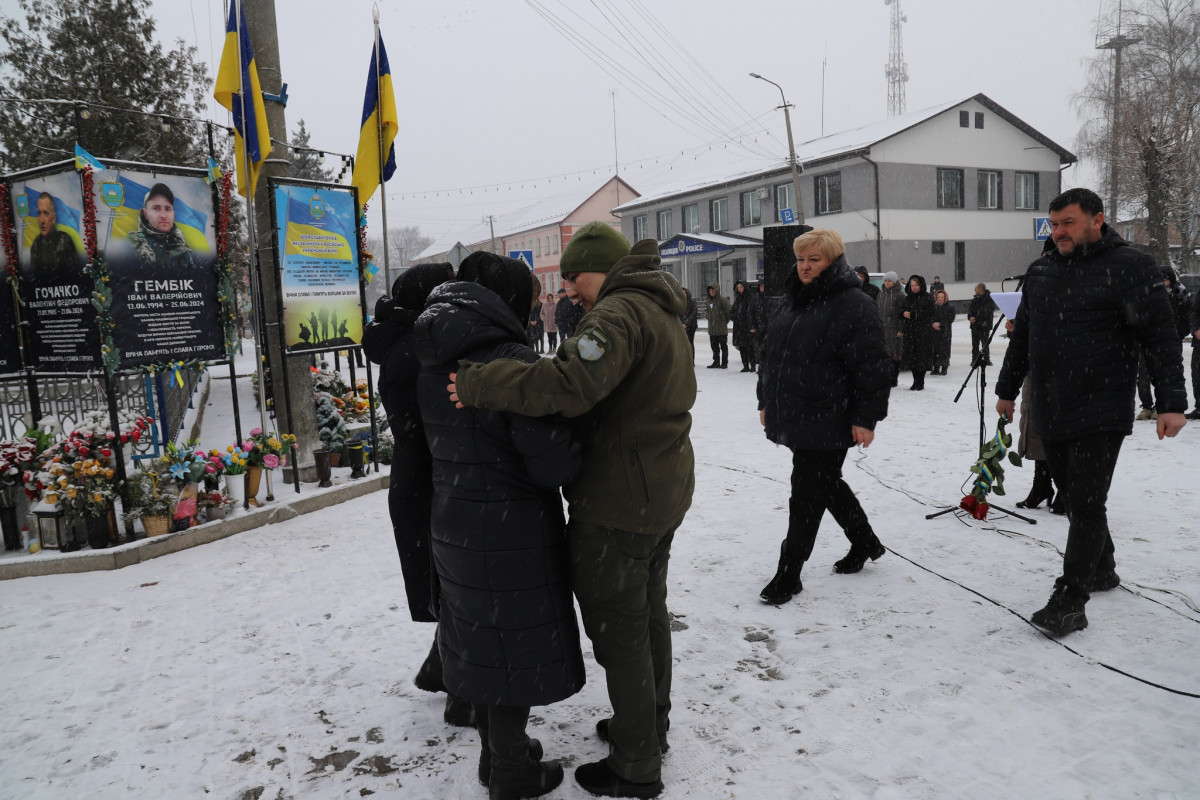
897,70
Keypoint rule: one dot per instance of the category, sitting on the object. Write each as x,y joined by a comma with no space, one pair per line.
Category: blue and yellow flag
379,112
239,91
84,159
214,172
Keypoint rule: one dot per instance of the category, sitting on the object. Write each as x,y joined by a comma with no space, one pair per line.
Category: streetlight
787,118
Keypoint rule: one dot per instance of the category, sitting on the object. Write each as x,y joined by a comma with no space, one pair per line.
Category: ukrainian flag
379,111
237,85
190,222
84,159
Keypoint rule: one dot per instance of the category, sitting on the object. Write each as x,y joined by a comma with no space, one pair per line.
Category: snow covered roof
841,144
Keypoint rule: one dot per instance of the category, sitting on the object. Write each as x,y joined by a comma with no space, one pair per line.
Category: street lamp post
787,119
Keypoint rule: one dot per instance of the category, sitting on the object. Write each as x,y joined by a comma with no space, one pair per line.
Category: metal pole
787,119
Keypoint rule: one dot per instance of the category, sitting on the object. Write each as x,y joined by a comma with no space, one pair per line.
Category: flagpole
387,271
251,234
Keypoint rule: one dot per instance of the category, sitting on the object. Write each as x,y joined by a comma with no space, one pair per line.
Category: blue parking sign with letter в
787,216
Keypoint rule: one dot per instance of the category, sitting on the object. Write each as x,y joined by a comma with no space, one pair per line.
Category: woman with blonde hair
822,388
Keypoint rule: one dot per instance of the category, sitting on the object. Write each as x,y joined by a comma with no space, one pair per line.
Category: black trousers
1083,469
552,338
817,485
979,342
1145,392
1196,375
691,334
720,348
502,733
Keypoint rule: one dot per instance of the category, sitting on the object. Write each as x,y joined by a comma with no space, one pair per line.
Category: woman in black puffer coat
742,316
823,386
917,331
388,342
507,628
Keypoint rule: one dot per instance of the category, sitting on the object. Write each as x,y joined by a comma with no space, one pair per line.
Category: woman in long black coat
943,320
917,329
388,341
823,386
507,628
742,315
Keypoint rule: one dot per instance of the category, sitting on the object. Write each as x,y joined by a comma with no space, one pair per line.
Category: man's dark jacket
1077,333
824,364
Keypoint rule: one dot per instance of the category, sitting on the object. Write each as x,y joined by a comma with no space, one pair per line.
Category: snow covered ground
278,663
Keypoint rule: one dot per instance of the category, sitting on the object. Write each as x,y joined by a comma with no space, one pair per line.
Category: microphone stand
980,363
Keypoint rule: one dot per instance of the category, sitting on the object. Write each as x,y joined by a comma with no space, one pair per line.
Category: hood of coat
920,279
462,318
837,277
639,272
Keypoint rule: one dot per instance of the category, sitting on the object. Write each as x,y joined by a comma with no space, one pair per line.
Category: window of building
1128,234
989,189
949,188
640,228
537,243
827,193
785,197
691,219
960,262
979,120
1026,190
665,225
554,238
938,248
719,211
964,119
751,208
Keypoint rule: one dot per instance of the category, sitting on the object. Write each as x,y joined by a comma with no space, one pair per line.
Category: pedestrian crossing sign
1041,228
524,256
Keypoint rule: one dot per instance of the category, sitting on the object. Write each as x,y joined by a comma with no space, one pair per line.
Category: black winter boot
429,676
859,553
1063,614
786,583
598,779
485,760
1042,489
458,712
533,780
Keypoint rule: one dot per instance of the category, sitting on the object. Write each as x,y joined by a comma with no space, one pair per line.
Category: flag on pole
214,172
84,159
238,89
378,118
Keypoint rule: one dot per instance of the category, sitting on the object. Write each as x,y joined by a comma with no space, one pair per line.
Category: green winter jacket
627,381
718,312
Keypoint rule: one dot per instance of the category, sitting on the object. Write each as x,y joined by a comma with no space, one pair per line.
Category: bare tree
404,245
1156,122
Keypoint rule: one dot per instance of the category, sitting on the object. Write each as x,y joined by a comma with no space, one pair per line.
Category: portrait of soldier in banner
157,241
52,249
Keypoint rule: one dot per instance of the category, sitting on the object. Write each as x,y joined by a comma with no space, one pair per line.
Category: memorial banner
317,249
62,334
159,239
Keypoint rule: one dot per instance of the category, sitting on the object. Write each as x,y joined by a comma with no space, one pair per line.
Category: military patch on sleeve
592,345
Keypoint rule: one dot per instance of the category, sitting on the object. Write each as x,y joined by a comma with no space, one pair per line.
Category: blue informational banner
524,256
683,245
318,259
1041,228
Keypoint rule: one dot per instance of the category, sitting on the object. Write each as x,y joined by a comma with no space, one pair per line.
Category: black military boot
859,553
786,583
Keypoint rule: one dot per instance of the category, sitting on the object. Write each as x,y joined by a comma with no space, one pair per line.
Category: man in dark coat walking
1087,308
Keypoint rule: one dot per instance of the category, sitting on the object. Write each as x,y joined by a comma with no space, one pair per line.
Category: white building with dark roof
954,191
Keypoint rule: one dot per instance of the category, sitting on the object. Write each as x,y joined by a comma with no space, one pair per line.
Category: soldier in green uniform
157,240
52,249
626,381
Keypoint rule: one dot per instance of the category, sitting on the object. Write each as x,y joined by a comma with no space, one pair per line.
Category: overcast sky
498,108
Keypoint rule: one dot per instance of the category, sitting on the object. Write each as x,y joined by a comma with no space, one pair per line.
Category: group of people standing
486,432
749,315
